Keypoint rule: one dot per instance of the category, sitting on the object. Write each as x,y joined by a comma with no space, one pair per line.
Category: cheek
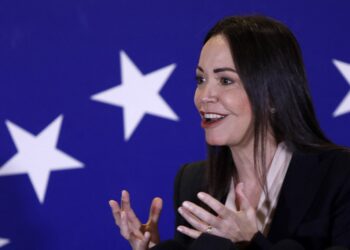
236,102
197,99
246,107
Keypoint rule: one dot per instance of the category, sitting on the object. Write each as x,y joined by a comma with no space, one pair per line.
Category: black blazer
313,207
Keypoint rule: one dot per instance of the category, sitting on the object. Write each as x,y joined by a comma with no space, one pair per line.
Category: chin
215,141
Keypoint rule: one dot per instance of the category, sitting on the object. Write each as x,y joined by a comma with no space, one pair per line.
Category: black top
313,207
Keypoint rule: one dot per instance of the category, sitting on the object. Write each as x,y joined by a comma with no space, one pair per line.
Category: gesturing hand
140,236
237,226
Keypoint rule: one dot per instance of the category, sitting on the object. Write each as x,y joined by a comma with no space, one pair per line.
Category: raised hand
240,225
140,236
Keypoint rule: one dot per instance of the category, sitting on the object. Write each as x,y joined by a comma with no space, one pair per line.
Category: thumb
140,244
243,201
145,241
156,208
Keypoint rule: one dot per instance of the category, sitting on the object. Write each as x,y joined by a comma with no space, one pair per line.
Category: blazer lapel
300,185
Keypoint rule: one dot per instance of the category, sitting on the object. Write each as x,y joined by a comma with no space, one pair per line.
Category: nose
209,94
209,99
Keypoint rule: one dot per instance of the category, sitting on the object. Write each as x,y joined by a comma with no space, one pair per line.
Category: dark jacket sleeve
259,242
188,182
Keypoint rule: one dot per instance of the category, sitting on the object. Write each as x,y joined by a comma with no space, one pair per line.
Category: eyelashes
222,80
199,80
226,81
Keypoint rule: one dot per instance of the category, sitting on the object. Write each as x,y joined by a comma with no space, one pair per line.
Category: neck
243,157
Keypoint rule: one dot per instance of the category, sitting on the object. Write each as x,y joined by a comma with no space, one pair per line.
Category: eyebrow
217,70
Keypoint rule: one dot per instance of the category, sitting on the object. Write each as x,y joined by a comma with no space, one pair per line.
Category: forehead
216,53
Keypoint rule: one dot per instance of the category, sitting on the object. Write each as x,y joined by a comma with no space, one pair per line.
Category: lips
209,119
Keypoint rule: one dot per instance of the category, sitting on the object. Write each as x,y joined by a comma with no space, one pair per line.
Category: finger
128,224
156,208
125,200
115,211
201,214
126,206
138,234
243,201
214,204
146,240
138,243
193,220
194,234
133,220
124,228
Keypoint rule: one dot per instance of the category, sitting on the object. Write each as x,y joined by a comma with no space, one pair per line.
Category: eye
199,80
226,81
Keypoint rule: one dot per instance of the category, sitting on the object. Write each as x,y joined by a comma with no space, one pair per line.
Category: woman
271,174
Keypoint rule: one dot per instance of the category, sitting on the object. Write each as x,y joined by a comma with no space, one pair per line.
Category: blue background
54,55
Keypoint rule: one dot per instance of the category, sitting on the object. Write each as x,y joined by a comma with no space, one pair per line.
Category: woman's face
221,98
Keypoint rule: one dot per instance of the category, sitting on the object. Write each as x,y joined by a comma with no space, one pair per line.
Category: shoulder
337,162
337,159
190,180
335,154
191,174
330,166
192,170
326,170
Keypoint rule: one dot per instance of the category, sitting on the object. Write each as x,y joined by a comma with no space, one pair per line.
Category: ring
209,228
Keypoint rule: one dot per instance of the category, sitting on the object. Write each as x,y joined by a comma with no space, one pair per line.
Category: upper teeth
212,116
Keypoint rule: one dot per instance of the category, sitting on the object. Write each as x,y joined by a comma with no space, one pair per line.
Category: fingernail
147,234
186,204
180,210
179,228
200,195
110,203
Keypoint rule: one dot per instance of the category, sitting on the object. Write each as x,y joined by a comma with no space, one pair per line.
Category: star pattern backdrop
97,97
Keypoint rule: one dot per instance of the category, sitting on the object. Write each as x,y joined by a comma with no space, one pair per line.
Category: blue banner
97,97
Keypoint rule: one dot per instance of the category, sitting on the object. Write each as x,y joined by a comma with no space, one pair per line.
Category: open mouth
209,118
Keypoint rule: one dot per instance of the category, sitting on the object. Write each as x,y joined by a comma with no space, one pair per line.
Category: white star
4,242
344,106
138,94
37,155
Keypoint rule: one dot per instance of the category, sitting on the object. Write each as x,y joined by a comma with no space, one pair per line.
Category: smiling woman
271,173
220,96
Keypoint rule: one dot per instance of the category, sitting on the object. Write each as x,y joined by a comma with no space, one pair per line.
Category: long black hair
268,60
